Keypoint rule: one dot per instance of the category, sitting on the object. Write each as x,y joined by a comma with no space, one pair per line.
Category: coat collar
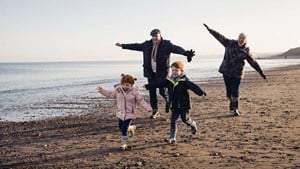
176,81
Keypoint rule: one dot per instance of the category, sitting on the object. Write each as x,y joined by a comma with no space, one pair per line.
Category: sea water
33,91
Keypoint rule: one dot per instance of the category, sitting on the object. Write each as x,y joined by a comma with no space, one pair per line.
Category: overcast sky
69,30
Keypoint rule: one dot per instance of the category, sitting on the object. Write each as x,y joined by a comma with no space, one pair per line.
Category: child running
178,85
127,97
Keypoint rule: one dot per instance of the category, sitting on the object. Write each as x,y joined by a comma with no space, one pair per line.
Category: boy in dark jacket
178,85
156,63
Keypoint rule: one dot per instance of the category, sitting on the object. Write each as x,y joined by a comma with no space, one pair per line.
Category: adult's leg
227,81
153,96
235,92
228,85
163,93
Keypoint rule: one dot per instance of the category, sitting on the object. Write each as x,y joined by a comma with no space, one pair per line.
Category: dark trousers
232,85
153,95
185,117
123,126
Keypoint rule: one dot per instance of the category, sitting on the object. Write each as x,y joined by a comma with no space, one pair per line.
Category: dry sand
267,135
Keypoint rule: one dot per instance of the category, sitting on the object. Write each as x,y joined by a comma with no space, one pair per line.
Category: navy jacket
179,97
164,50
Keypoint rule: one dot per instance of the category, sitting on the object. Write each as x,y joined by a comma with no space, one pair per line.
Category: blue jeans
123,126
185,117
153,95
232,86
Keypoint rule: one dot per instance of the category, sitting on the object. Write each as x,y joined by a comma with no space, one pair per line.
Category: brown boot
131,130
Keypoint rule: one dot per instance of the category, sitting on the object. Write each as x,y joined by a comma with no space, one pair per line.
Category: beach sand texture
267,135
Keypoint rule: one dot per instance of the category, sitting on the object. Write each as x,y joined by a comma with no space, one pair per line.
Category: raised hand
205,26
189,54
99,88
118,44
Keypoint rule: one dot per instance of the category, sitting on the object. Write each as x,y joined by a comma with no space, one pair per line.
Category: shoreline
265,136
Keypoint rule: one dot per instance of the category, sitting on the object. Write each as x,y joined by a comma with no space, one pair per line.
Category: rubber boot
124,140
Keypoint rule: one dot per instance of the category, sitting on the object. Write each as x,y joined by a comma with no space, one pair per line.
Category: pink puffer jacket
126,101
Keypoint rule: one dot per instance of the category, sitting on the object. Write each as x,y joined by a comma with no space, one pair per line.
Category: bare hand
118,44
99,88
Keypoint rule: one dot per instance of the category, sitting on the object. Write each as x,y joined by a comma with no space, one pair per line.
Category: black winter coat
164,50
179,97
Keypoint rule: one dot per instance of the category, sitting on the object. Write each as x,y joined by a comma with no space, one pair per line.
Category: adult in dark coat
156,62
232,67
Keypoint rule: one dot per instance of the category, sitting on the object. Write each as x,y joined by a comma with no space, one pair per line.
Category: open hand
99,88
189,54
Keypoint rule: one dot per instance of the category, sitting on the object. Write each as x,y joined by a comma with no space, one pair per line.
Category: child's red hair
178,65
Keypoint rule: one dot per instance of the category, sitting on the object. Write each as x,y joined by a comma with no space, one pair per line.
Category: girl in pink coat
127,97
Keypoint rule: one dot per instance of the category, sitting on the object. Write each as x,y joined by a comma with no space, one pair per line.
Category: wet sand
266,135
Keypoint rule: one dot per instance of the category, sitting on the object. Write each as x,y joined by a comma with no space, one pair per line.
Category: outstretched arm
254,64
179,50
132,46
221,38
195,88
108,94
142,103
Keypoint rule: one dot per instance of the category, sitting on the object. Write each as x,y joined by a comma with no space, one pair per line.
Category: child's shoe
172,138
194,127
131,130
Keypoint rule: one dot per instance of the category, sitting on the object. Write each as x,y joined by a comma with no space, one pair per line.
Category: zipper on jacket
125,108
123,93
174,86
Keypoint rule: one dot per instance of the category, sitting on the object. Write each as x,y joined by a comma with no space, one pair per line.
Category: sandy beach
266,135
